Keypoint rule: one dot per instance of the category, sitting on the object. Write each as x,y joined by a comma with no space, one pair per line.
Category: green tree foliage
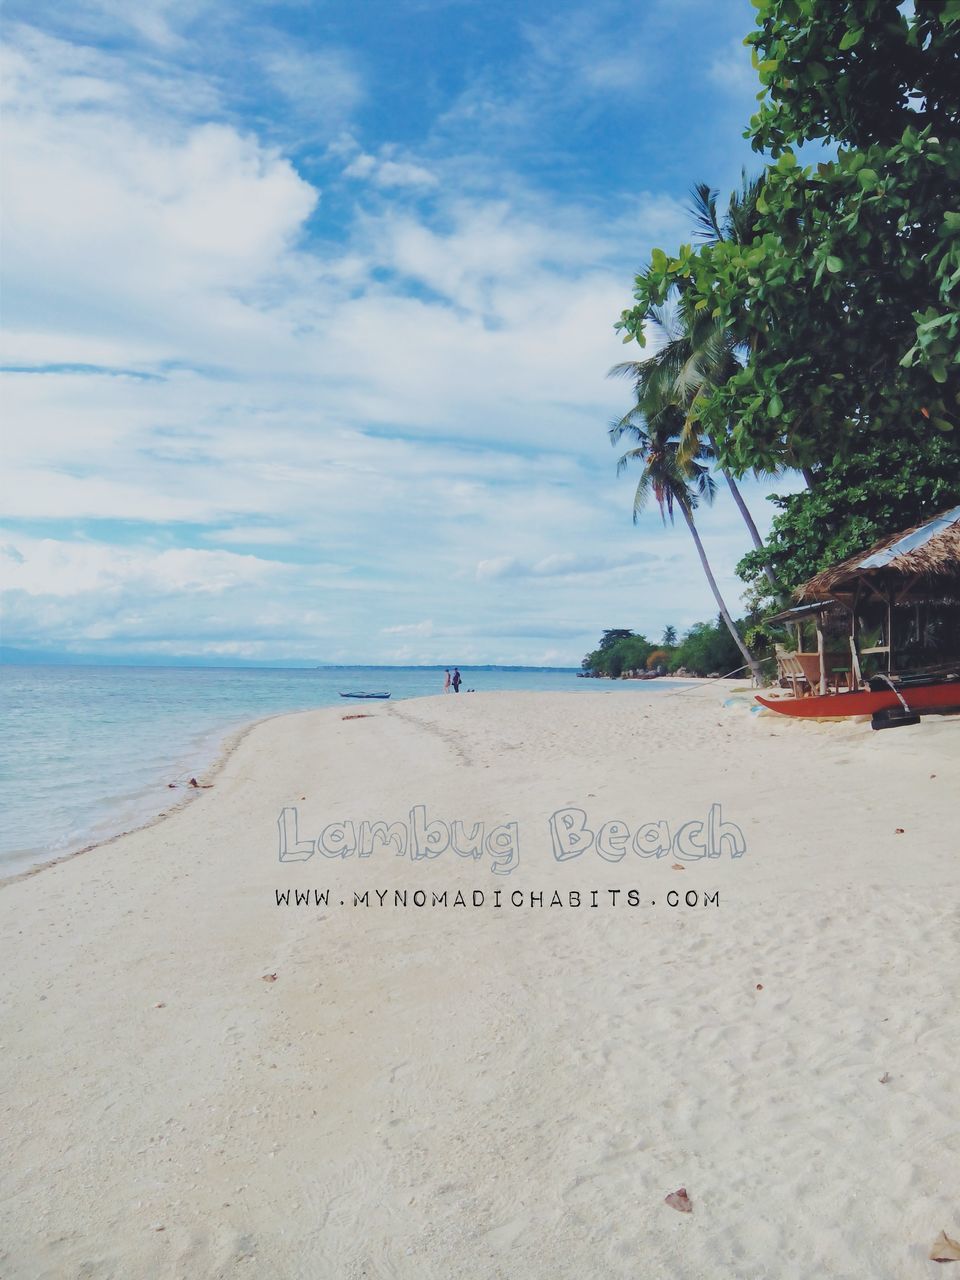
857,501
634,652
707,648
857,71
846,293
610,637
628,652
669,637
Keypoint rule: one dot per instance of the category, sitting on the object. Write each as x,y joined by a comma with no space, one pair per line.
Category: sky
307,315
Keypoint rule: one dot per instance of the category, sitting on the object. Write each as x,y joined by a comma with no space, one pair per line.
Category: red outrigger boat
935,695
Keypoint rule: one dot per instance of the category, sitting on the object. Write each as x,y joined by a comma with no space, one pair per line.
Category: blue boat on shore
364,695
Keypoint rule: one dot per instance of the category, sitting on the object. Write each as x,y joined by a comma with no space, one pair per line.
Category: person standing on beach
446,680
456,679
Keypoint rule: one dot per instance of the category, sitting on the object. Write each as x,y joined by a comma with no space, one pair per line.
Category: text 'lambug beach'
570,836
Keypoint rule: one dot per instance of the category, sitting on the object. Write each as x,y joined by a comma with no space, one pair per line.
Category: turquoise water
86,752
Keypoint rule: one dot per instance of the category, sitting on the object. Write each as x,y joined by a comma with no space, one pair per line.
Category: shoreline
227,745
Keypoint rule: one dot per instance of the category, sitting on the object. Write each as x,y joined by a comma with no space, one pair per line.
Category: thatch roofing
925,557
802,611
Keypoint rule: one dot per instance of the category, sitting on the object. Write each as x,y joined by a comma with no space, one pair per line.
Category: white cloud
322,85
574,60
567,564
146,221
361,166
153,22
43,71
382,169
398,173
253,535
334,431
581,47
185,248
425,628
47,567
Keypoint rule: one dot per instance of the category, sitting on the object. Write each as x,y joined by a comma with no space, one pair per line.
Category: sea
87,752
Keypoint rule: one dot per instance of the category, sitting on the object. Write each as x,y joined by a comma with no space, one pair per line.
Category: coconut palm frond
772,471
642,495
657,392
631,455
690,442
670,359
666,318
705,485
691,378
625,369
630,424
703,211
741,212
717,344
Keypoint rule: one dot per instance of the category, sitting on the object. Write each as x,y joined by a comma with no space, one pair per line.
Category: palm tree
737,224
673,482
694,355
695,352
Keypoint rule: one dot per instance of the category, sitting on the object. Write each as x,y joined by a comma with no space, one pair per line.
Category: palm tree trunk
748,521
751,528
751,661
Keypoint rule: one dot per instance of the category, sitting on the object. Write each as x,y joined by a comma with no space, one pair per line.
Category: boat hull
867,702
364,695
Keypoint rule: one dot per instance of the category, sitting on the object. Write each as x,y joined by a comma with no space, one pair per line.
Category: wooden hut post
856,675
821,654
890,632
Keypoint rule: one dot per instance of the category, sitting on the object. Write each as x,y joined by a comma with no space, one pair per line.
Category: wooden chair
789,671
810,666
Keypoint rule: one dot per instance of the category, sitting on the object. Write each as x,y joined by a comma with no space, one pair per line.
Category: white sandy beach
510,1092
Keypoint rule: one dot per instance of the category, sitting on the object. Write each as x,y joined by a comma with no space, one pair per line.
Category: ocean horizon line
24,660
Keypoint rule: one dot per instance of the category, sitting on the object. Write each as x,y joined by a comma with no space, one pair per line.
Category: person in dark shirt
457,679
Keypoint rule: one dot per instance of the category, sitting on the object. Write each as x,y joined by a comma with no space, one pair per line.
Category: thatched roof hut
921,563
